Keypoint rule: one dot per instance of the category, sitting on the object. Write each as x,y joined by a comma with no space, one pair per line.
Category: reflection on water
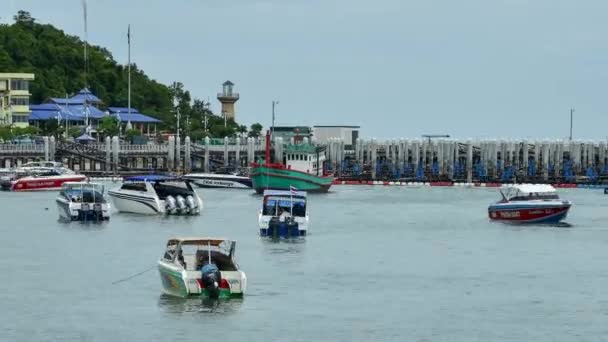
84,225
284,246
178,305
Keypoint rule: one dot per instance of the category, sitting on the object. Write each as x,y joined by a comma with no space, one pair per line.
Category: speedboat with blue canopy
82,201
156,194
283,214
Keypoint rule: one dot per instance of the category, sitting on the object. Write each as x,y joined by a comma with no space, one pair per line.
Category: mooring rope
133,276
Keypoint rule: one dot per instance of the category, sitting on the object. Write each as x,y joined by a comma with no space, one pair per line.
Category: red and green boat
302,169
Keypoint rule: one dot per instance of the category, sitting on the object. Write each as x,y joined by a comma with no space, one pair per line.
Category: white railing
17,148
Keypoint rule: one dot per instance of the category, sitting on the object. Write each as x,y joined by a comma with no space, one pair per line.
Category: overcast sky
398,68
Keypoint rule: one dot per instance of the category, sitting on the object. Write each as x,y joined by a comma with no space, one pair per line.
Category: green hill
57,60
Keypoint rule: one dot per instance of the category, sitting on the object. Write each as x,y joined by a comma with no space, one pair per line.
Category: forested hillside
57,60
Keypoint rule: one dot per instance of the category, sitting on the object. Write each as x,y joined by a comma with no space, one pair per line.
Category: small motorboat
222,179
529,203
283,214
82,201
201,267
36,176
156,194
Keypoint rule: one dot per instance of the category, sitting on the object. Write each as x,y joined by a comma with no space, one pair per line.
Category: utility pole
129,72
274,103
571,121
178,116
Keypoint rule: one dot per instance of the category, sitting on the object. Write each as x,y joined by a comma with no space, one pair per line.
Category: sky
397,68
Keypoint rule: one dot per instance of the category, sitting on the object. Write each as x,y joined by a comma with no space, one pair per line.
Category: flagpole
291,201
129,67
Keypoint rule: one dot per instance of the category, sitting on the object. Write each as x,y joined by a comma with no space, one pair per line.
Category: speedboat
231,180
48,175
201,267
82,201
283,214
156,194
529,203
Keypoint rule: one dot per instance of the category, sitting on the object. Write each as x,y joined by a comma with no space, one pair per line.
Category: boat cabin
529,192
193,253
305,158
83,192
162,185
276,201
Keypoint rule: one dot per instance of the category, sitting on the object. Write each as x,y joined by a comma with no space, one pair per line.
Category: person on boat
284,216
180,259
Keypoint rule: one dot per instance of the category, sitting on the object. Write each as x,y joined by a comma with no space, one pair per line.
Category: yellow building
15,98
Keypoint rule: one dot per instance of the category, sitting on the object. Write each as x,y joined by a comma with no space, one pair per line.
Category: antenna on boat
209,250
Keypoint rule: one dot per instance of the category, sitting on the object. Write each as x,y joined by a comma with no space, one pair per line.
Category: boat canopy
284,193
197,241
83,186
152,178
193,244
529,192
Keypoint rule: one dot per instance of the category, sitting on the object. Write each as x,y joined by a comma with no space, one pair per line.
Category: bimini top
151,178
284,193
198,241
531,188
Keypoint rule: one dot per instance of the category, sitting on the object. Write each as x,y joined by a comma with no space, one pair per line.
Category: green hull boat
277,178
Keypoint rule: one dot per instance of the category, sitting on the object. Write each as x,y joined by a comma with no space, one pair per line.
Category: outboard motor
191,204
181,203
211,278
170,204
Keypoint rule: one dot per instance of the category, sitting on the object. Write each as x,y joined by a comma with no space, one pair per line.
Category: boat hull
177,283
543,214
264,178
220,182
69,211
42,183
144,205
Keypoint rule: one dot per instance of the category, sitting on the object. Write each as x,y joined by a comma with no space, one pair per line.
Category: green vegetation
57,61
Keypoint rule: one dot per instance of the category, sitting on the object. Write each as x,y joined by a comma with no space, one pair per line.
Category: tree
242,130
255,130
24,17
74,132
132,133
108,126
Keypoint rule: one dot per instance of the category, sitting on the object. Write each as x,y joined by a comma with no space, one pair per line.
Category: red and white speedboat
39,176
529,203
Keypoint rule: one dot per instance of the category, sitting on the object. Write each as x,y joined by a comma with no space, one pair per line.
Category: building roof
17,75
74,112
335,126
86,95
122,114
228,83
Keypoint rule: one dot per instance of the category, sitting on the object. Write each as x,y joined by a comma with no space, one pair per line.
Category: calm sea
380,264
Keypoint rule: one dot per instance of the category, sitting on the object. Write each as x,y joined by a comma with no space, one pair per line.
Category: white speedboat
220,180
82,201
201,267
283,214
155,194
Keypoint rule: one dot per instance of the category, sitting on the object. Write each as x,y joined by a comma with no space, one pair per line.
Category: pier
115,157
418,160
470,161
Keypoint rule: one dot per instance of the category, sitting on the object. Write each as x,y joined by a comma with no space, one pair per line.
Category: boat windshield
273,206
531,196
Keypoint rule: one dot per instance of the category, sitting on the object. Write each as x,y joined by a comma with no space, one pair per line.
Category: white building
348,134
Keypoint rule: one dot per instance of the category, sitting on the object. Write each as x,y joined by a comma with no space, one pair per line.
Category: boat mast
267,148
